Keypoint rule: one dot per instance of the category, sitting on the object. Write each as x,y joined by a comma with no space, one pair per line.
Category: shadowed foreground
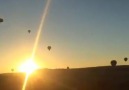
97,78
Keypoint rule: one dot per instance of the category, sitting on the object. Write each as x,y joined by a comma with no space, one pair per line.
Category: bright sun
28,67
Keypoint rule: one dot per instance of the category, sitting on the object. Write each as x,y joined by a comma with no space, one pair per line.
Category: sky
82,33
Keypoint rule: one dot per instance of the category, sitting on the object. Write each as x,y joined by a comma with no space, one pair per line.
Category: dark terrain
96,78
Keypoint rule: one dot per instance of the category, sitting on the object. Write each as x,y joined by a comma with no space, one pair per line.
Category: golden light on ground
28,66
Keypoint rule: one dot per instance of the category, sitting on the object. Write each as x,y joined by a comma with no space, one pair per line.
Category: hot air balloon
12,69
29,31
49,48
125,59
1,20
67,67
113,63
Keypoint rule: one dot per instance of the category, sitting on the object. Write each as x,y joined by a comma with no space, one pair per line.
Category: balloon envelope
1,20
12,69
49,48
29,31
113,63
125,59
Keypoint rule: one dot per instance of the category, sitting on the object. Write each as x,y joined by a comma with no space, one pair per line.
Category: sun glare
28,67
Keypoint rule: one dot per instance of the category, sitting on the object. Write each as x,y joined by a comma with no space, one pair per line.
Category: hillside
96,78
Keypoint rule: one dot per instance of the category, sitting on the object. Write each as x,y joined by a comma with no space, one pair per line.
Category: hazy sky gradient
82,33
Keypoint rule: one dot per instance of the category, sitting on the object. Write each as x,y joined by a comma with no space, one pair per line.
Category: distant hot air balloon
12,69
1,20
29,31
49,48
113,63
125,59
67,67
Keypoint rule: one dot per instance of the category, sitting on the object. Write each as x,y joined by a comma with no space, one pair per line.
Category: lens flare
40,27
37,37
25,82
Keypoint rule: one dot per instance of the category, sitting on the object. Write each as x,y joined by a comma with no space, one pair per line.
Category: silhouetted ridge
95,78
